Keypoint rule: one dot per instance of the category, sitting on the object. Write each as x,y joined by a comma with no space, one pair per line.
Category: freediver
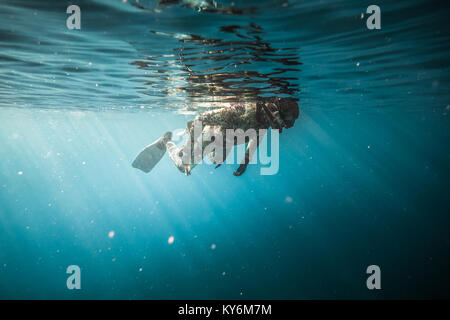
276,113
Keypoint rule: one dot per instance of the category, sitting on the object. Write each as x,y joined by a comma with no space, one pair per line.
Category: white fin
150,155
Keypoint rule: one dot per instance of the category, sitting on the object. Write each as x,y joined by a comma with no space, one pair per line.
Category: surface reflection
216,71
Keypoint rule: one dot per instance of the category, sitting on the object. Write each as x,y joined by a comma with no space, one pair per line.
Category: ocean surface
363,176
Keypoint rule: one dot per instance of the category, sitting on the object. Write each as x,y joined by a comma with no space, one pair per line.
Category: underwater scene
346,192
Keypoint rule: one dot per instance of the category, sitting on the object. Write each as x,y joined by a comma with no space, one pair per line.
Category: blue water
363,177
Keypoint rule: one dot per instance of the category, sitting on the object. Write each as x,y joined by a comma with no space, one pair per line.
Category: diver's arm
252,146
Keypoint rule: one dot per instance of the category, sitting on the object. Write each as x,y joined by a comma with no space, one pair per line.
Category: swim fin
152,154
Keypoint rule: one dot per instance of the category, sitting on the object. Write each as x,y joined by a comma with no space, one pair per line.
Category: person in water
265,113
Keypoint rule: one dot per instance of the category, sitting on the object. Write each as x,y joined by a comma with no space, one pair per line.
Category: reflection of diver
277,113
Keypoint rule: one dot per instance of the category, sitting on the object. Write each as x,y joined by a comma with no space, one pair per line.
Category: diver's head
289,110
281,112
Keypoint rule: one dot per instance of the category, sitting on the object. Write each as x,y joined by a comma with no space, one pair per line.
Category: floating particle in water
368,147
83,163
213,246
89,64
140,269
195,236
241,293
27,227
224,273
171,240
447,107
288,199
20,173
362,15
111,234
113,259
357,64
96,84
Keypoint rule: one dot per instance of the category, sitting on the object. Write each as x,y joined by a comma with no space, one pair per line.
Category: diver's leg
192,151
174,154
179,156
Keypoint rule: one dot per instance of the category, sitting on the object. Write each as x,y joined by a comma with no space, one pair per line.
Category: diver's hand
240,170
